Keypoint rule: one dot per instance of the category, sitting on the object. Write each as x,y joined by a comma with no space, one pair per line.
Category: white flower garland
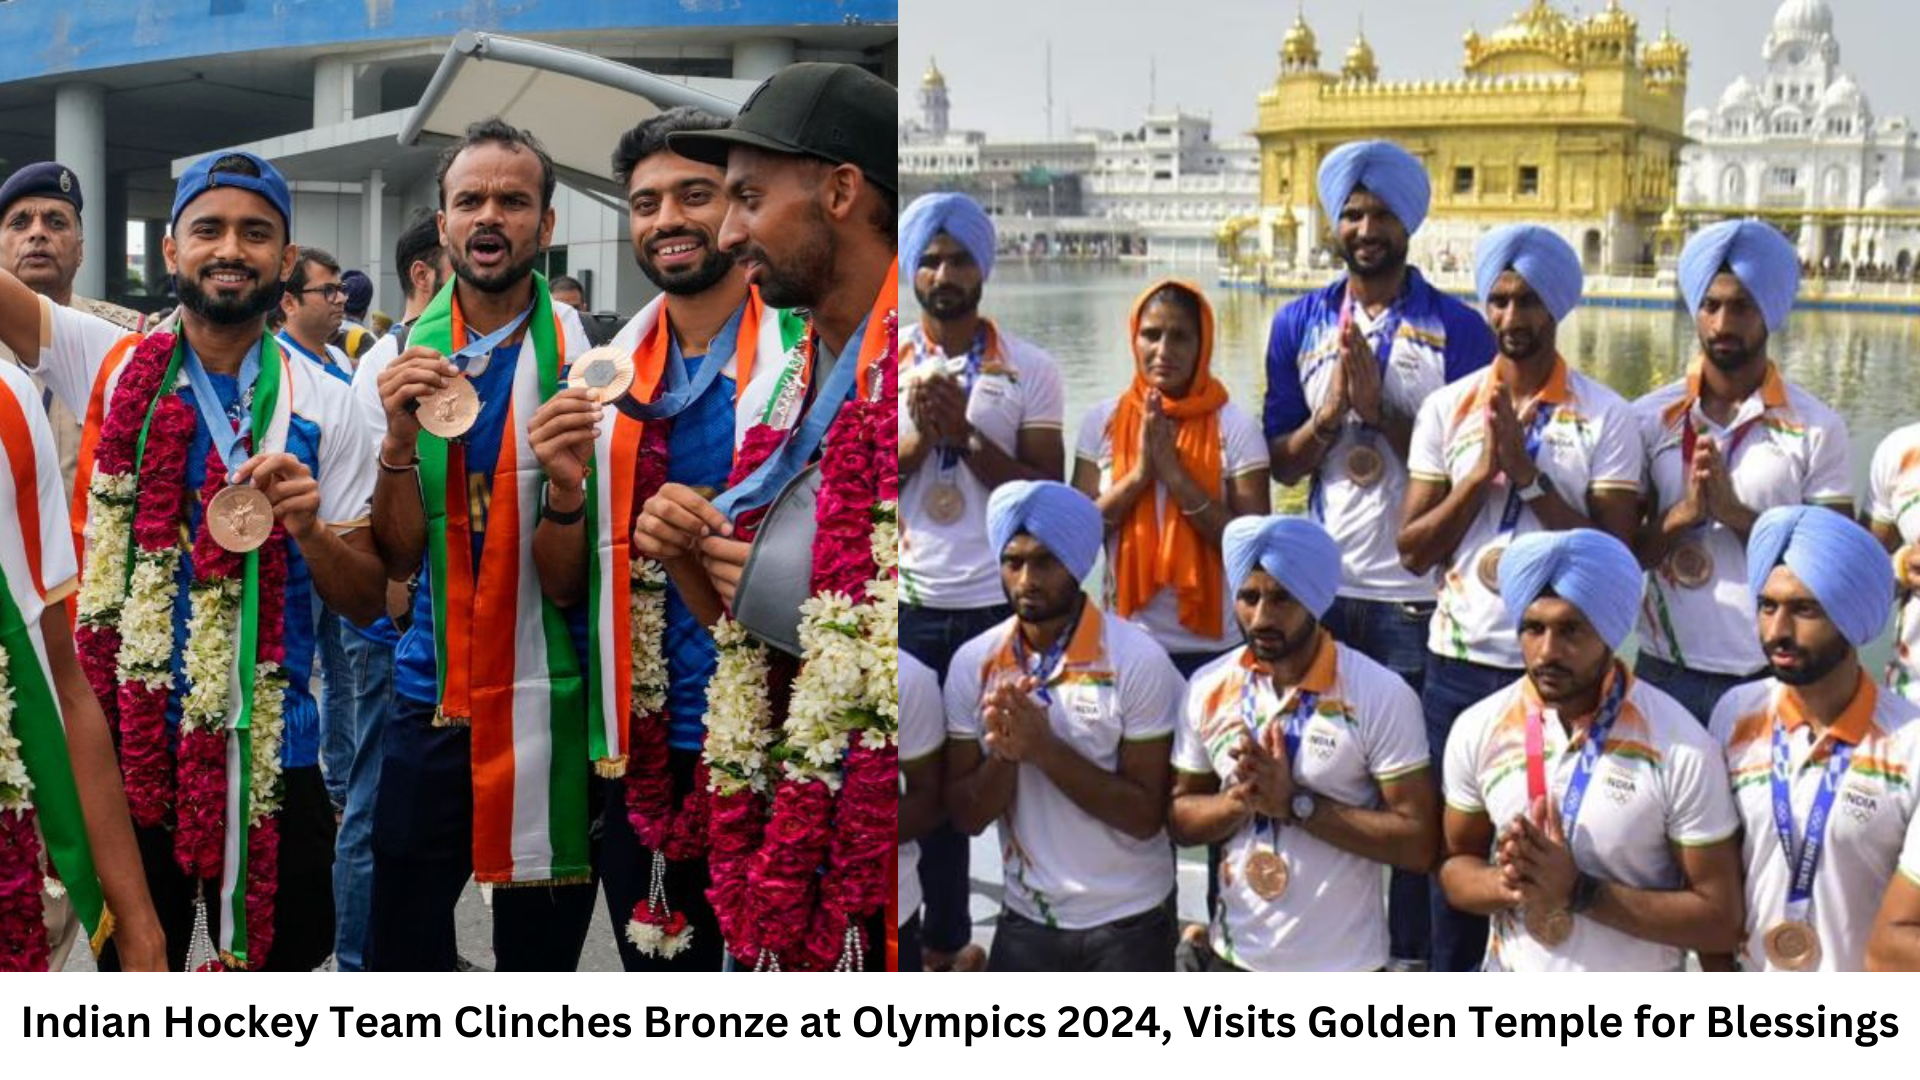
648,599
16,787
739,717
146,623
268,728
109,530
212,639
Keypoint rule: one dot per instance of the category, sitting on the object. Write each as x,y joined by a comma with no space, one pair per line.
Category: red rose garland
23,929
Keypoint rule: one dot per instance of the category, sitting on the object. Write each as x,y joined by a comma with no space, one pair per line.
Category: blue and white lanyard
1805,860
766,482
1542,416
227,427
966,369
1292,728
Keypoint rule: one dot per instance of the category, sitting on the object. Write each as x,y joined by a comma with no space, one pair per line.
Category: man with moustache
1821,758
488,771
1529,445
689,350
1732,439
1586,811
979,407
1059,722
43,244
229,250
1308,760
1347,368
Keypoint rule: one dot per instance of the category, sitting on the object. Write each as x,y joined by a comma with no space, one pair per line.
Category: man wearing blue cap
1529,445
1731,439
212,432
1821,758
1059,723
1587,813
1347,368
42,243
980,407
1307,760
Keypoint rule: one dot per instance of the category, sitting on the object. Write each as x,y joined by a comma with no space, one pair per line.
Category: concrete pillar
155,270
756,58
373,197
332,91
80,143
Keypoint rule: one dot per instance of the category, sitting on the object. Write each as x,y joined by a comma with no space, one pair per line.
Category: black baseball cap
837,112
43,178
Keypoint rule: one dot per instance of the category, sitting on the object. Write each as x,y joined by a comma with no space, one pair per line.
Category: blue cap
200,179
43,178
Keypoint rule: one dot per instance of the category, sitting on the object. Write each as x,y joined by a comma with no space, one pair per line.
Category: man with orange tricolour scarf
490,764
693,350
811,179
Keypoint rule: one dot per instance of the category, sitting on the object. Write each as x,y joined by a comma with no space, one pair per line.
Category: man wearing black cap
811,183
42,244
228,489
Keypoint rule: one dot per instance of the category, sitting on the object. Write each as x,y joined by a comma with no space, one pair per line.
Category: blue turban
1758,255
1587,568
1297,551
1058,516
1843,565
954,214
1392,174
1537,254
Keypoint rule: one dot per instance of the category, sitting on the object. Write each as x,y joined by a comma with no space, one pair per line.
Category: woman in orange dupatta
1170,462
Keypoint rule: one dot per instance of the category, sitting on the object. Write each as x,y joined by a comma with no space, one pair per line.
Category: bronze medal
1365,465
605,372
452,411
239,518
1690,565
1267,874
1793,945
1549,928
945,502
1489,568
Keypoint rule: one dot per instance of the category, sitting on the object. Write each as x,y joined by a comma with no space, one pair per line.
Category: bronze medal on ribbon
1488,568
1365,466
1267,875
239,518
1793,945
1690,564
452,411
945,502
1549,928
605,372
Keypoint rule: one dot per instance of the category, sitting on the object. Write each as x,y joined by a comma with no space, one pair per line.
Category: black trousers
1143,942
302,905
626,871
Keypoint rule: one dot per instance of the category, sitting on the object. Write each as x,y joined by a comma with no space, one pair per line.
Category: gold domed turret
1666,51
1359,65
1299,50
933,78
1612,20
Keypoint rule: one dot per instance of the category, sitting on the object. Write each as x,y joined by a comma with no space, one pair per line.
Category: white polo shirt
923,732
952,567
1791,449
1591,444
1893,498
1910,852
1872,810
73,346
1659,783
39,562
1243,450
1366,730
1063,867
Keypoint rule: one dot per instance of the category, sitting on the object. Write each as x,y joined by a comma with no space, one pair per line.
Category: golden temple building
1570,123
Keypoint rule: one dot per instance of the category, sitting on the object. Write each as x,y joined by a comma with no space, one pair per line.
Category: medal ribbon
682,392
1542,416
966,368
220,424
1805,860
1048,661
765,483
1583,769
1381,340
475,356
1292,729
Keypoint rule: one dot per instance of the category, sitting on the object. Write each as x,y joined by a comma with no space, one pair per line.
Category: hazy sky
1214,56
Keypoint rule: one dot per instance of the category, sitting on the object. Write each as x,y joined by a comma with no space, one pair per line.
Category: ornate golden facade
1573,124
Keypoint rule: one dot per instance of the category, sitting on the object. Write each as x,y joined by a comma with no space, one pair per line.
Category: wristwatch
559,517
1303,806
1586,889
1542,486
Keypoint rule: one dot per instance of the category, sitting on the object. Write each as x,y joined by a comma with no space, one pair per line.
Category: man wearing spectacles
311,308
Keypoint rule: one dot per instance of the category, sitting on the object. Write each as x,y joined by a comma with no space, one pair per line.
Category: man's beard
1390,263
1576,686
1735,358
227,311
949,301
693,280
1814,666
803,278
1522,347
1288,646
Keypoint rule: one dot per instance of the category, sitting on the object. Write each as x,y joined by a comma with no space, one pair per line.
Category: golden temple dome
1360,63
933,79
1538,25
1300,47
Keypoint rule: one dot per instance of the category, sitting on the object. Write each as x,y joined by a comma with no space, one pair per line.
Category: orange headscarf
1158,551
